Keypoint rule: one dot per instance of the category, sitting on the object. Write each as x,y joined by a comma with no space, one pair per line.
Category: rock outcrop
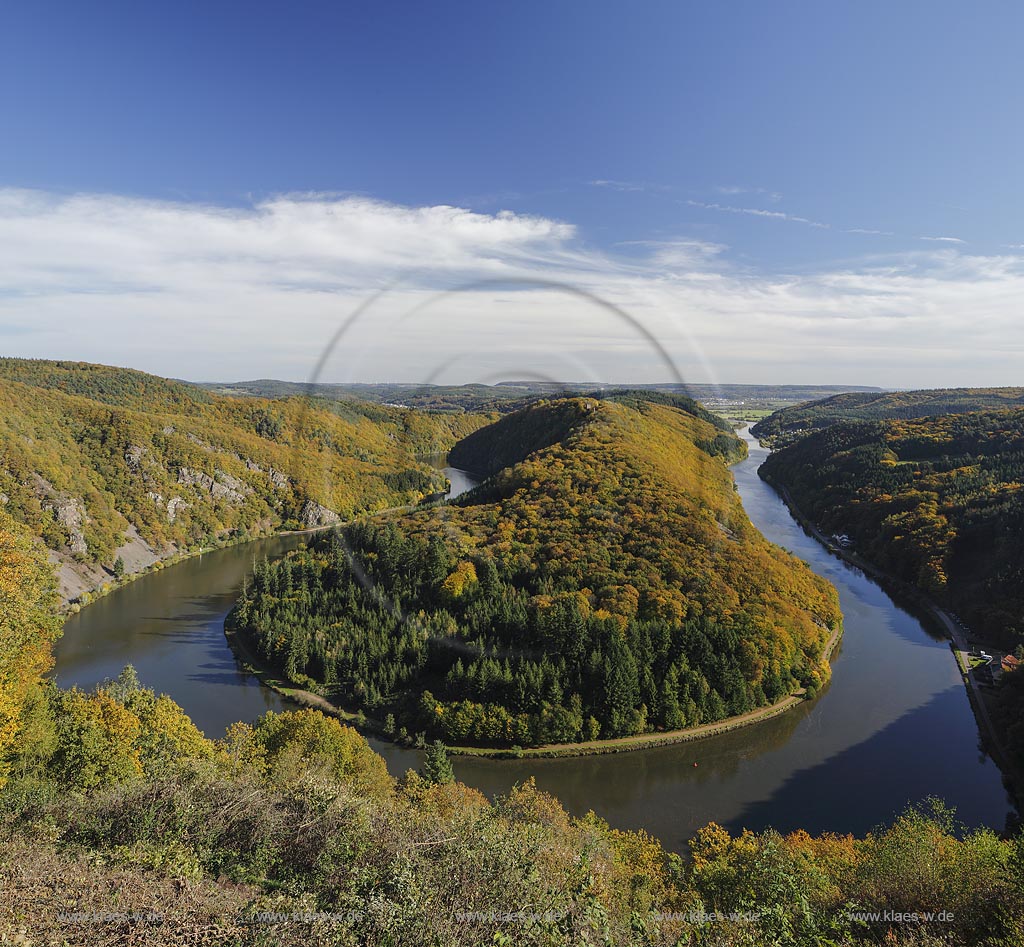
314,515
70,513
221,487
174,506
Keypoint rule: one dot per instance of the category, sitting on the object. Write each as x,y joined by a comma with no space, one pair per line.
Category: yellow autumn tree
29,624
460,581
97,740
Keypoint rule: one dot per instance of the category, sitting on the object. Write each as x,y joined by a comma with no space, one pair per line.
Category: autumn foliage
605,582
28,625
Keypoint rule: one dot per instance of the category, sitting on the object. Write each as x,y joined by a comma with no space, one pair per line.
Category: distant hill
705,392
789,423
111,464
509,396
433,398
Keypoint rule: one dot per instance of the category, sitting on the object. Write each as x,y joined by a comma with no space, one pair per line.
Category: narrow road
963,659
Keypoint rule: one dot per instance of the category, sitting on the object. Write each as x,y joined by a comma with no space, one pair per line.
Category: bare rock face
67,510
314,515
174,506
195,478
133,457
277,479
230,488
221,487
70,513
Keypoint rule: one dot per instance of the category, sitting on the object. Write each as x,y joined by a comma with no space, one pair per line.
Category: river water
893,726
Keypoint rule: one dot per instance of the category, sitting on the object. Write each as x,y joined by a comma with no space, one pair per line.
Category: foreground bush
291,831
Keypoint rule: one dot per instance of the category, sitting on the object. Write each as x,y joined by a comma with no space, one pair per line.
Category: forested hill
544,424
787,424
607,582
123,387
116,469
936,501
516,436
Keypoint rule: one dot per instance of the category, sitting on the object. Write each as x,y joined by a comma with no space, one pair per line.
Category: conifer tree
437,767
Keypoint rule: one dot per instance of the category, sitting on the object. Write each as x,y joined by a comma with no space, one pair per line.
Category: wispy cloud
944,239
734,189
777,214
684,254
758,212
205,291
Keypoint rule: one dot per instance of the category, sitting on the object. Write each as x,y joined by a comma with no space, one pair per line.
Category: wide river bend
893,726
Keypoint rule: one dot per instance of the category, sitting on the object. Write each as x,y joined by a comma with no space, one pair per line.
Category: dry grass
53,898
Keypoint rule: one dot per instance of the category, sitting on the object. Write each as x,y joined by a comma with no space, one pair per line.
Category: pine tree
437,564
672,717
437,767
620,690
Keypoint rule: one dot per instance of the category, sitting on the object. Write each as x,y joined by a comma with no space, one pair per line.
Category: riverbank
931,612
74,605
272,678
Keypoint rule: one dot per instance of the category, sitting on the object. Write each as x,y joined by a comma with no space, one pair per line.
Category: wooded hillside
108,463
938,502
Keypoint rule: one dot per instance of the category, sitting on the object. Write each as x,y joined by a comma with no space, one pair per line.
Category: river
893,726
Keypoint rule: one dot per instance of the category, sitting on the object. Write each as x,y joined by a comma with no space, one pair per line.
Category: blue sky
835,154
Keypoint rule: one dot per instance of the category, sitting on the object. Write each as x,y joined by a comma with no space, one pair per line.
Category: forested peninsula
603,581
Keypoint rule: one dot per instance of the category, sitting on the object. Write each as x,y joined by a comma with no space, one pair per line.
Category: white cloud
213,292
943,239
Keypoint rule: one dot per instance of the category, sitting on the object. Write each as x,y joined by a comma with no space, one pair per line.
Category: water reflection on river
893,726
